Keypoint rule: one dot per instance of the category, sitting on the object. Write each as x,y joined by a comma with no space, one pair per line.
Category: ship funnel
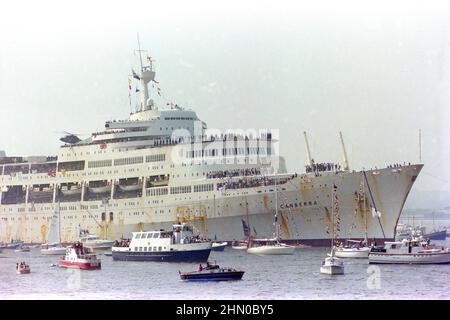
308,152
346,166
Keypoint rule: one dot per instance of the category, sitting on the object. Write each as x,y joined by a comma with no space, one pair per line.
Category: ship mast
146,75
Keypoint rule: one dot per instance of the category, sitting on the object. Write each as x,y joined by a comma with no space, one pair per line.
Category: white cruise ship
161,166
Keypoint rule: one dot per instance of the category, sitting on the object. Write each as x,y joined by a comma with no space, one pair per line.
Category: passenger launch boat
178,245
78,257
162,165
409,252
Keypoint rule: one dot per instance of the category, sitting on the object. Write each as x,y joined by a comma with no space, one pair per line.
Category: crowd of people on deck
122,243
397,165
323,166
21,265
253,182
193,239
233,173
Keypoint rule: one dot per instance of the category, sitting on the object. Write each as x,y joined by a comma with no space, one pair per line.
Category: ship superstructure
162,166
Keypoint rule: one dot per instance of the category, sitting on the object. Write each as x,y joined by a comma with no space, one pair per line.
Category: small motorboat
219,246
354,249
22,268
77,257
212,272
57,250
23,249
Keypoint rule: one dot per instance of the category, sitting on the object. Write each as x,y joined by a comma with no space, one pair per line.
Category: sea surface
266,277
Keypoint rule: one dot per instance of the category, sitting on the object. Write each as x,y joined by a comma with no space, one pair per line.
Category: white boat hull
332,270
271,250
100,189
106,244
352,252
409,258
54,251
135,187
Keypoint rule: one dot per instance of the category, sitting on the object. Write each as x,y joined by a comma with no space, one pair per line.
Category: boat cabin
162,240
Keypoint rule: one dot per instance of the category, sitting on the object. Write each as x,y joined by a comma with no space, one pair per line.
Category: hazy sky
377,71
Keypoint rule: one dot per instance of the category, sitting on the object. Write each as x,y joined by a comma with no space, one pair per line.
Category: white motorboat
57,250
272,246
409,252
332,264
93,242
355,252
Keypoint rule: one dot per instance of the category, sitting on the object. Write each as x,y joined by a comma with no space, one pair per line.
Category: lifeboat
77,257
160,182
71,190
100,188
131,187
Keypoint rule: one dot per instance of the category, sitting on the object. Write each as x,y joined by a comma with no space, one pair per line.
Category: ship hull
164,256
304,210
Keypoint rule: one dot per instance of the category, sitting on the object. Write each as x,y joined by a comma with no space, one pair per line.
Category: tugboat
177,245
212,272
412,251
22,268
78,257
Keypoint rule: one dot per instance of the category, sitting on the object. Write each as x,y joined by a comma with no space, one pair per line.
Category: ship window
138,236
135,248
149,235
140,248
156,235
159,248
154,248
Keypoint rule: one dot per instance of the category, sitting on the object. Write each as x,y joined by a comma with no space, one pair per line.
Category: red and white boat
78,257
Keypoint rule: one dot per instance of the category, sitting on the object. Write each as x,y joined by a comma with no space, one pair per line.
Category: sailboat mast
59,222
276,210
332,217
365,213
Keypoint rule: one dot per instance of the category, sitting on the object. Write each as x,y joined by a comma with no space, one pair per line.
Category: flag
246,229
135,75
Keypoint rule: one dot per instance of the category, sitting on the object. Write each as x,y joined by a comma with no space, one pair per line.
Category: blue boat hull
219,248
440,235
217,276
166,256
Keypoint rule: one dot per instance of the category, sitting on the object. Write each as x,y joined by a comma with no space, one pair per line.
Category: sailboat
356,248
53,245
273,246
332,264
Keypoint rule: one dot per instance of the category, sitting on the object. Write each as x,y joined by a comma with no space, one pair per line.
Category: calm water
269,277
